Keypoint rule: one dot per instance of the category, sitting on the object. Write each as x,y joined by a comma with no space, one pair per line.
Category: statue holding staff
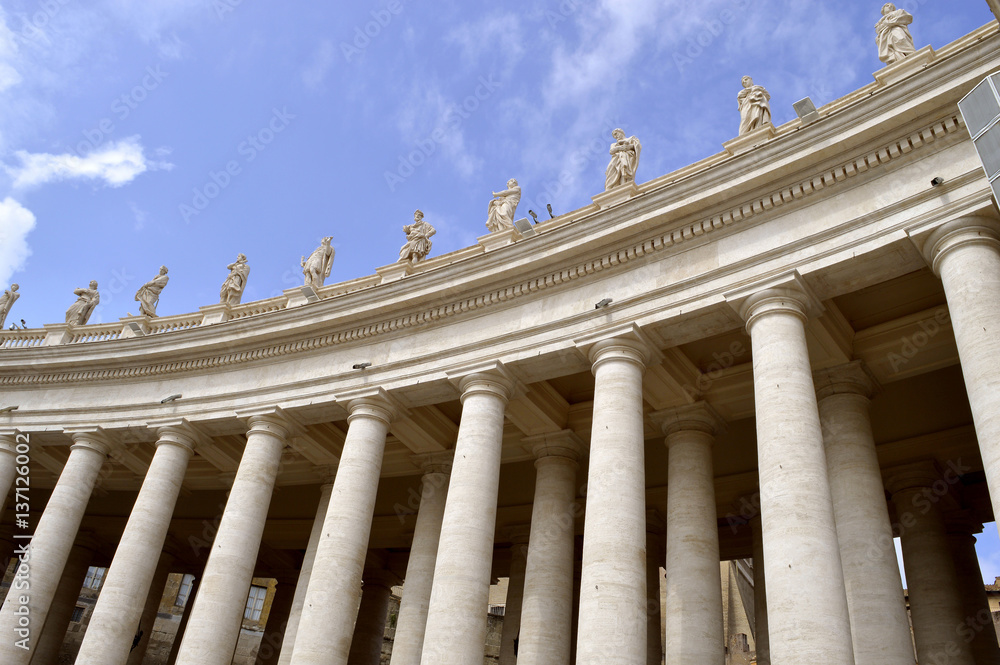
148,295
79,312
319,264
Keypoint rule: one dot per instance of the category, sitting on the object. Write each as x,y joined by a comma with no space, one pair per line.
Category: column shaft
880,627
120,605
412,619
978,628
369,630
327,623
456,616
612,625
966,254
546,605
298,602
800,537
214,629
63,603
175,647
8,468
760,636
272,642
512,606
52,542
655,556
149,611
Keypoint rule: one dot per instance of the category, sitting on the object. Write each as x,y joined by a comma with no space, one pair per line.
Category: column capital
963,232
782,300
179,433
374,402
94,439
270,419
697,417
556,444
382,577
626,343
434,462
492,378
918,475
518,534
8,442
853,378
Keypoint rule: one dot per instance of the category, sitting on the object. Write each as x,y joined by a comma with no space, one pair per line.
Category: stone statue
79,312
7,301
624,160
317,267
148,294
893,37
418,239
755,109
503,207
232,289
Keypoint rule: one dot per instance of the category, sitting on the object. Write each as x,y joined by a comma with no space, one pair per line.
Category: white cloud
16,222
117,164
498,35
321,63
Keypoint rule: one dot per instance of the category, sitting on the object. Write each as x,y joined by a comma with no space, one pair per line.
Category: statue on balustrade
503,207
79,312
755,107
317,267
893,37
232,289
418,239
7,301
148,295
624,160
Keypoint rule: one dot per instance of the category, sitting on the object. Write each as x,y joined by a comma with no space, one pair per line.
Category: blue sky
181,132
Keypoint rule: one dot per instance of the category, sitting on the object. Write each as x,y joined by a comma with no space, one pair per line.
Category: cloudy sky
181,132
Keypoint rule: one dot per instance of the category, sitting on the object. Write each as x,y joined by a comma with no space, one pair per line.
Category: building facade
787,352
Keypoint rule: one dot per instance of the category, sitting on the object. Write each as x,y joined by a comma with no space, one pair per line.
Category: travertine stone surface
272,642
546,611
456,622
892,34
298,602
63,603
966,255
800,537
148,617
369,629
978,628
327,622
515,597
412,619
214,627
880,627
694,589
761,637
612,624
127,584
54,538
932,583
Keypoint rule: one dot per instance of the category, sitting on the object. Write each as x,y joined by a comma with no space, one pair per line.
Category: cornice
729,217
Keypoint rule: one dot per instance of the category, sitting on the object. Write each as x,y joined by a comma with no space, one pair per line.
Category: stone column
120,605
214,629
935,603
760,636
53,539
978,627
509,637
577,575
417,585
966,255
272,642
547,602
53,635
8,467
612,626
299,600
327,623
695,632
149,611
800,537
175,647
656,556
456,616
369,630
880,628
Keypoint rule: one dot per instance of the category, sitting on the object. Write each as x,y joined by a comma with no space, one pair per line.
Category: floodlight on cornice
603,303
533,215
937,182
806,110
361,366
170,399
548,206
309,293
8,409
524,227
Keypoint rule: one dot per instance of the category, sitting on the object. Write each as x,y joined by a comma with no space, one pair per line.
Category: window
94,578
77,614
185,591
255,603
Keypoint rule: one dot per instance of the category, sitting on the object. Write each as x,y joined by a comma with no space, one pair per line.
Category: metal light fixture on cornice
603,303
361,366
533,215
170,399
937,182
548,206
806,110
8,409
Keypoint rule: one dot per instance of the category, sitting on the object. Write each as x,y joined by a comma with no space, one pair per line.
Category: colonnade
833,590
